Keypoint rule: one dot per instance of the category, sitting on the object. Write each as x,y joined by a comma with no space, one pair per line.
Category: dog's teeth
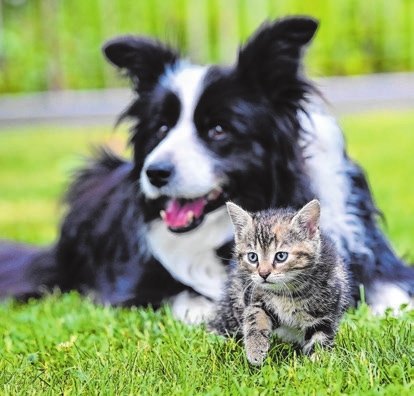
190,216
162,214
212,195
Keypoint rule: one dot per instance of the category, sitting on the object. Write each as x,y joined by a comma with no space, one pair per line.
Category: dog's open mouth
182,215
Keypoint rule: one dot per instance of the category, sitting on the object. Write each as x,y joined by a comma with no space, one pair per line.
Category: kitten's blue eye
252,257
281,257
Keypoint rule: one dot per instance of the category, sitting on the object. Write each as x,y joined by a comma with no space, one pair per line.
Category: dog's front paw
256,350
191,308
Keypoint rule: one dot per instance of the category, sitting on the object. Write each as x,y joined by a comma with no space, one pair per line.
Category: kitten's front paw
309,349
319,338
256,350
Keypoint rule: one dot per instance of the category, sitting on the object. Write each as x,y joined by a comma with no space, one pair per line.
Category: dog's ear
144,60
272,56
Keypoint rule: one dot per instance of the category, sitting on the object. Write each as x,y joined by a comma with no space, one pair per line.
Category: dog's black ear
143,59
272,56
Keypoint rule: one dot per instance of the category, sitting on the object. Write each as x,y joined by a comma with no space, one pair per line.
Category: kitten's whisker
252,294
224,258
305,285
287,287
246,288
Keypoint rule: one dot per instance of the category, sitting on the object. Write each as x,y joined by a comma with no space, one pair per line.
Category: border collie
156,229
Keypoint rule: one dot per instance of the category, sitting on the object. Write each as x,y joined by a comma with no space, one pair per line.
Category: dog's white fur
323,146
197,266
191,257
195,175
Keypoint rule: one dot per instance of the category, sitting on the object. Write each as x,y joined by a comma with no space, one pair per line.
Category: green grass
36,164
65,344
383,144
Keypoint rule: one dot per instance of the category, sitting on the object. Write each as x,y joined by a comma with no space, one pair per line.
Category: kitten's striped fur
288,279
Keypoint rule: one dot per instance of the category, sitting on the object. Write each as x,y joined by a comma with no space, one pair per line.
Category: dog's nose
159,173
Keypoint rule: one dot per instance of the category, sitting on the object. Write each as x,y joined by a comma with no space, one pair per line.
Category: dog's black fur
103,247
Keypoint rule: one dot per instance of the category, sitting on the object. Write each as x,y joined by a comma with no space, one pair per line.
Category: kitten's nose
264,274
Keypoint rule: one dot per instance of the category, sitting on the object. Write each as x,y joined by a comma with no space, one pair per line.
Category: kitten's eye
162,131
281,257
252,257
217,133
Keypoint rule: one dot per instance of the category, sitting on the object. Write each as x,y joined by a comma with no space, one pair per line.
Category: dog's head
207,134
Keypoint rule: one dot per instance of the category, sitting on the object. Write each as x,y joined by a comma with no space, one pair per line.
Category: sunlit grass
74,347
383,143
36,166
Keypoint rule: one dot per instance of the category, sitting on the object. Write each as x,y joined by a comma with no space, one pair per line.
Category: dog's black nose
159,173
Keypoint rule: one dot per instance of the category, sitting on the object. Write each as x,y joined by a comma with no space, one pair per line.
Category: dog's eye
217,133
162,131
281,257
252,257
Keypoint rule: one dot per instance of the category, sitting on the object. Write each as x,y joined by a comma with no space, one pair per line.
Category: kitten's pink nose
264,274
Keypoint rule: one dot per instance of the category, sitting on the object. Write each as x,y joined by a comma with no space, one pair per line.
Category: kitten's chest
291,312
292,316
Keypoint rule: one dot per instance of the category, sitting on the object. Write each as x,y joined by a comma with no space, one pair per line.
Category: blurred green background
55,44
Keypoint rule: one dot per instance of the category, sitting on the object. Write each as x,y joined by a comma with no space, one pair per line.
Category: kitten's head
275,248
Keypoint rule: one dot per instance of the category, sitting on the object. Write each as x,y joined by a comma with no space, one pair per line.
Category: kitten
288,279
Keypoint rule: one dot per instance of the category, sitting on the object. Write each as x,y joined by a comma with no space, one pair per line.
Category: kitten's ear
308,219
239,217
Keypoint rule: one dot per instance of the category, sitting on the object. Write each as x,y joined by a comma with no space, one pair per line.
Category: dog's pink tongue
179,216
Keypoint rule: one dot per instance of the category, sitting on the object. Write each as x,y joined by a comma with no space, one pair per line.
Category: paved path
345,95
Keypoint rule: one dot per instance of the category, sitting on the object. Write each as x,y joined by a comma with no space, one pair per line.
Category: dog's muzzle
181,214
160,173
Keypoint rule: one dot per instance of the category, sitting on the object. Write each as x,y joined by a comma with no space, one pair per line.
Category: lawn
64,344
67,345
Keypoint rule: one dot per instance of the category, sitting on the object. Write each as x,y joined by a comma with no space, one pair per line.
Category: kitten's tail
26,271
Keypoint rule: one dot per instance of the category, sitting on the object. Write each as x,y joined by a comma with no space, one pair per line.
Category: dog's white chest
191,257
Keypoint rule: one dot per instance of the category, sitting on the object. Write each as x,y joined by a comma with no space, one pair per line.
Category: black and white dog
156,229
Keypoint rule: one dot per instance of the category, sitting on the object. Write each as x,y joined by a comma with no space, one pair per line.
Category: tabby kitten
288,279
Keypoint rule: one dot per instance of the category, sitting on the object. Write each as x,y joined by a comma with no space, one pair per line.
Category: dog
155,229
